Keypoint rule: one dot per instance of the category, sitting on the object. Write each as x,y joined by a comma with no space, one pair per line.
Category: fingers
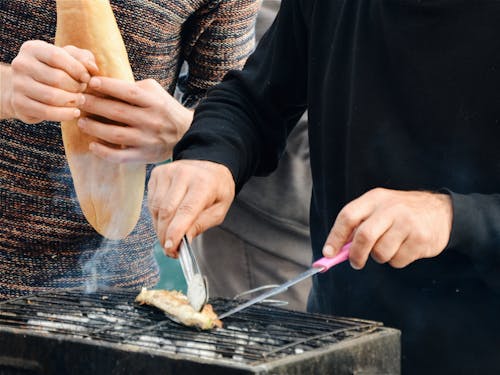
366,236
186,213
120,144
420,243
118,155
128,92
188,197
47,81
55,78
27,66
208,218
395,227
85,57
163,199
112,109
150,134
389,244
58,58
347,221
54,97
114,134
39,111
33,100
405,254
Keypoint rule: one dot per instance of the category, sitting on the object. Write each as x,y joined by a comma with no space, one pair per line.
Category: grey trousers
233,264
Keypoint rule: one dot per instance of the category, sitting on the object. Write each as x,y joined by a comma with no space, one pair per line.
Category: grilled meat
176,306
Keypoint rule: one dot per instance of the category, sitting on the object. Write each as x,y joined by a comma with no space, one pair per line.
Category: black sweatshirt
401,94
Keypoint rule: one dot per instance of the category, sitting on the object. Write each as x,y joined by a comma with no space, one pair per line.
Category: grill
105,332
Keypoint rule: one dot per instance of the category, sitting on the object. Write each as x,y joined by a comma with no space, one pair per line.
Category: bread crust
110,194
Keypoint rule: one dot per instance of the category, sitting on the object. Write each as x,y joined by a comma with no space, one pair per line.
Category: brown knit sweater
45,242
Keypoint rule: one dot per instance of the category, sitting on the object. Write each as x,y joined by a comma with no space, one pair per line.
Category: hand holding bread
45,82
155,120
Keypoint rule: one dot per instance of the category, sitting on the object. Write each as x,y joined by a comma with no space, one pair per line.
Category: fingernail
354,266
76,113
94,83
171,254
81,100
93,64
168,244
81,122
85,77
83,87
328,251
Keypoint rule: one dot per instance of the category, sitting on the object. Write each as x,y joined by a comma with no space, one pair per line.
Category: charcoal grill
106,332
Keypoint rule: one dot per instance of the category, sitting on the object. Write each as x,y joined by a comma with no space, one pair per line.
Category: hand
188,197
45,82
397,227
155,120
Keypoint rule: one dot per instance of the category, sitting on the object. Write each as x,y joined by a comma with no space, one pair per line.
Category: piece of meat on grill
176,306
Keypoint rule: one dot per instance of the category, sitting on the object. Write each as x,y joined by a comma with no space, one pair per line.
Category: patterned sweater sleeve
217,38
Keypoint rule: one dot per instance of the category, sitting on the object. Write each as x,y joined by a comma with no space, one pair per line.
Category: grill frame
376,349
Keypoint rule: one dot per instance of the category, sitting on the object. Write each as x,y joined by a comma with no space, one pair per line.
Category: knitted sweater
45,241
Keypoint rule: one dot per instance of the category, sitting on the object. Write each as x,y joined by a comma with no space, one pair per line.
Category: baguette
110,194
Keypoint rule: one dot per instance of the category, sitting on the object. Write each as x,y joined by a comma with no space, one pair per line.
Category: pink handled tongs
321,265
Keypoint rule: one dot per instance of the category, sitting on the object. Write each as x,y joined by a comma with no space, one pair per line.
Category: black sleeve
476,232
244,121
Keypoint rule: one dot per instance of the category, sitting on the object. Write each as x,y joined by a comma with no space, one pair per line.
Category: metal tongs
321,265
197,285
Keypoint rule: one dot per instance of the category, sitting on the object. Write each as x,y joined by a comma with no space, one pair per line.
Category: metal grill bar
255,335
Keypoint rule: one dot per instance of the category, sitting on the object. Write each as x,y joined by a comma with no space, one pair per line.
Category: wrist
5,92
447,208
445,203
184,118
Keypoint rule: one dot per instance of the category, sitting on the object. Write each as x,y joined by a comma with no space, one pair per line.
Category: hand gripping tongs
197,286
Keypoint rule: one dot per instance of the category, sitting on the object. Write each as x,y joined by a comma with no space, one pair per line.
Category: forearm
243,123
5,91
217,139
476,231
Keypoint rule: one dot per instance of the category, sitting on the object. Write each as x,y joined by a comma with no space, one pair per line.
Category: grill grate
253,336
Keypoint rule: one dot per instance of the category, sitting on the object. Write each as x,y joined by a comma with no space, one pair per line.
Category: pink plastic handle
327,263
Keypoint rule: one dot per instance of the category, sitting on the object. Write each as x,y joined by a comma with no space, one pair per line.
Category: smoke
96,259
96,270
